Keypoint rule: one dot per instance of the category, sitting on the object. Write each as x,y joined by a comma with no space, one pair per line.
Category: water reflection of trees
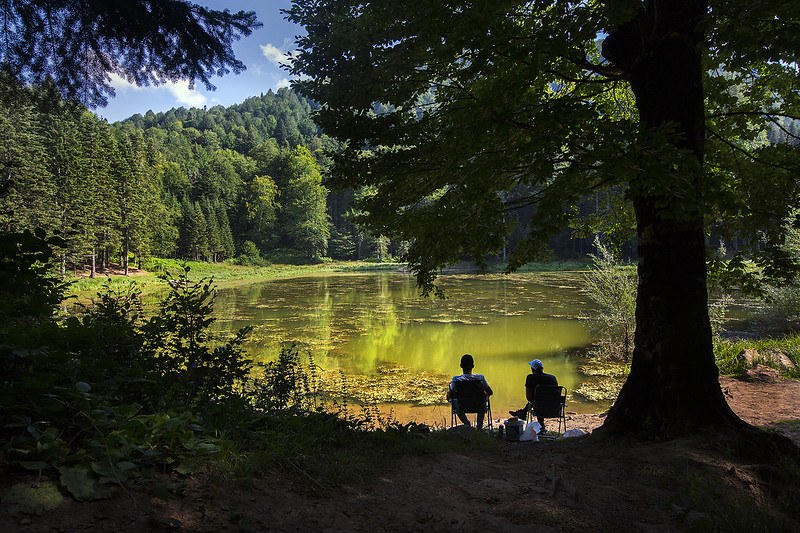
377,330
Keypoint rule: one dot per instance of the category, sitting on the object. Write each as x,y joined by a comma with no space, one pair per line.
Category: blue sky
261,52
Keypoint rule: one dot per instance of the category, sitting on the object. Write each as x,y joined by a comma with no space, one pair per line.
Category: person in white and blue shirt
467,364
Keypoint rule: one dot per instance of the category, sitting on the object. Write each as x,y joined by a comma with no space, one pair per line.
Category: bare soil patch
113,270
581,484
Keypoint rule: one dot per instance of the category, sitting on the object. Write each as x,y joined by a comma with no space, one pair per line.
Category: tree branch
611,73
753,113
536,197
606,79
736,148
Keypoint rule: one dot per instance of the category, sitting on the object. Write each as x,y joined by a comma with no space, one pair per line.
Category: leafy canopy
79,44
445,107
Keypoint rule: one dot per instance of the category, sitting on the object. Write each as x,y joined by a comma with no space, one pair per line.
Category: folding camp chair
469,398
549,401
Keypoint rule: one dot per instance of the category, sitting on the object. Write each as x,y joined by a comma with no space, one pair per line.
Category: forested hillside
244,181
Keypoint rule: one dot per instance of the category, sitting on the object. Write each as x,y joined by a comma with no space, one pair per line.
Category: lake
375,339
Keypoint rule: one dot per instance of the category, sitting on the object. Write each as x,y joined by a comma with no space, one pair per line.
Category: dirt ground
578,484
113,270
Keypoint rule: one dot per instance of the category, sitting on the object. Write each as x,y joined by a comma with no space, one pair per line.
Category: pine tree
194,232
106,155
74,45
228,247
96,174
215,247
27,189
69,142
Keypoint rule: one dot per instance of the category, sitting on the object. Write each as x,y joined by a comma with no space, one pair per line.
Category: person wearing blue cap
534,379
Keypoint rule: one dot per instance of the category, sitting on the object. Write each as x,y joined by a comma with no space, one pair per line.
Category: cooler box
514,428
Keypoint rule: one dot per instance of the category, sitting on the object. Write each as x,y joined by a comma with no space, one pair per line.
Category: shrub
112,397
289,256
249,255
177,347
284,384
29,298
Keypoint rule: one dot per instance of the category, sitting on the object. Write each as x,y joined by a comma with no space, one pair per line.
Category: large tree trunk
674,383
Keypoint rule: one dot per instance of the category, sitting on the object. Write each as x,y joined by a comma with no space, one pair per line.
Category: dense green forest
207,184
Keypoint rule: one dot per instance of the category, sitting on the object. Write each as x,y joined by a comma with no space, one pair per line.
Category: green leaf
103,468
79,482
83,386
124,466
207,447
126,411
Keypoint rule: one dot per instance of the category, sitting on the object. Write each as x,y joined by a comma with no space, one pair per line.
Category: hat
536,365
467,361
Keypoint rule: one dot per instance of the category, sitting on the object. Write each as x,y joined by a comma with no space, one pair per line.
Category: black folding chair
470,398
550,401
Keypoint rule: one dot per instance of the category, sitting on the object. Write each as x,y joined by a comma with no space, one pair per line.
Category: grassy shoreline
224,274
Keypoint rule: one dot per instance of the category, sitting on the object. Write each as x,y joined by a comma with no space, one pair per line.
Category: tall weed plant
612,288
285,384
780,310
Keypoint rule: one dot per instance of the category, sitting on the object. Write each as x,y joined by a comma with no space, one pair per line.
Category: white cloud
183,94
275,55
282,83
179,90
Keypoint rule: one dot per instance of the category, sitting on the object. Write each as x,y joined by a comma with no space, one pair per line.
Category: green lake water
375,338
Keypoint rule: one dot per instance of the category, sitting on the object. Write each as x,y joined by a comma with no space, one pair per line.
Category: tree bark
673,385
125,252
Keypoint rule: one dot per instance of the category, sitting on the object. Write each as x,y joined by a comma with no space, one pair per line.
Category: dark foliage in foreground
110,397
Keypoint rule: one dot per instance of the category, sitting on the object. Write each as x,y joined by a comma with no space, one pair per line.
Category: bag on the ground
531,432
